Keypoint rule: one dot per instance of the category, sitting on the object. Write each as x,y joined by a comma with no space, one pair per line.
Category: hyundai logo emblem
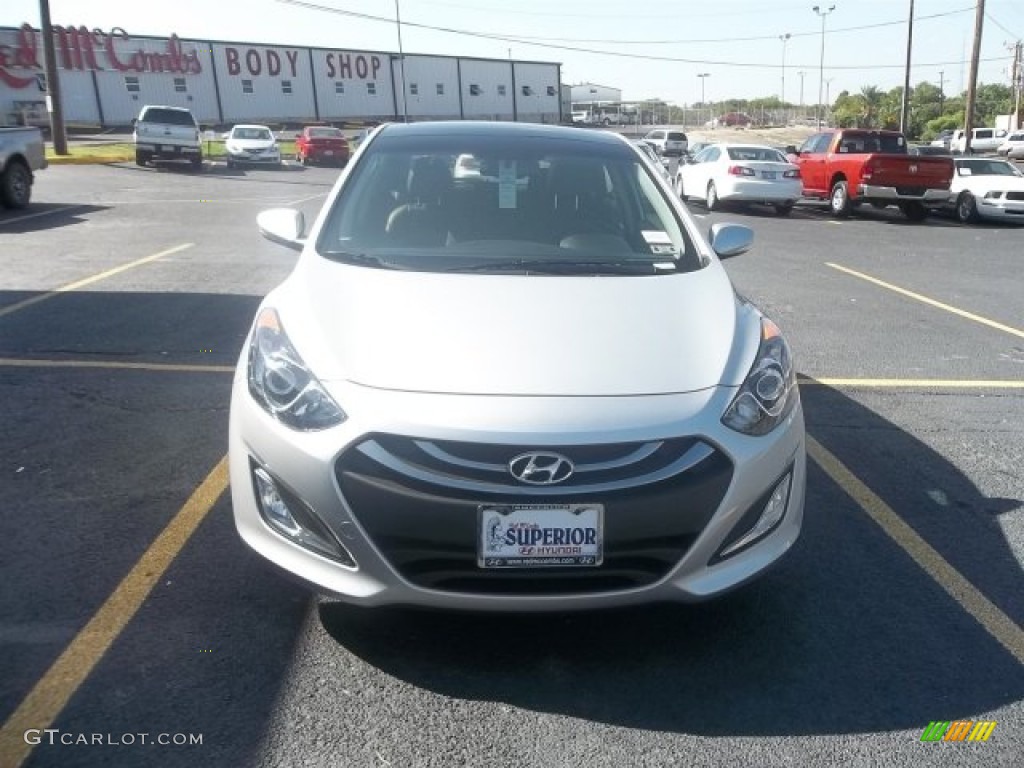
540,468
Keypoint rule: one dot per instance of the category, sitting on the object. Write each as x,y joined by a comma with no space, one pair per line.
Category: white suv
667,143
982,140
167,133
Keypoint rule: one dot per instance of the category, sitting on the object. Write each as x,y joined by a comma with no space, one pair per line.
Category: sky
737,43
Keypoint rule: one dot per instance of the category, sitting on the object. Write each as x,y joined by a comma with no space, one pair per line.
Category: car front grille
418,501
1015,195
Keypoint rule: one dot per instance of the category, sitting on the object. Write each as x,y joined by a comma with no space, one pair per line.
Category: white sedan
988,189
742,173
252,144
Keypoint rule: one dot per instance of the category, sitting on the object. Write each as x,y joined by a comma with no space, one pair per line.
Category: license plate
540,535
329,152
767,174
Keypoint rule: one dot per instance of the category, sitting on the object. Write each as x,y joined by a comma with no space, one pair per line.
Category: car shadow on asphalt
845,635
287,174
42,216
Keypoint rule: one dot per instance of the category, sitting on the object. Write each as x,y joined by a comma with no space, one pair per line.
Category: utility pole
942,91
53,100
401,60
702,76
905,111
1018,82
972,83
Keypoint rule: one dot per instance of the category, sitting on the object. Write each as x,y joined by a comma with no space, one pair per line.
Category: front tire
711,200
783,209
141,158
966,208
16,185
839,200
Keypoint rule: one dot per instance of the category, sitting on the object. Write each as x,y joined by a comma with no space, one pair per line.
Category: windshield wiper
566,267
359,259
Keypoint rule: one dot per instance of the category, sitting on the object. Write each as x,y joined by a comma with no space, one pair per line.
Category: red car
321,143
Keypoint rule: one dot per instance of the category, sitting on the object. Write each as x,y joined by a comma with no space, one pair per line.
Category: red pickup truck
848,167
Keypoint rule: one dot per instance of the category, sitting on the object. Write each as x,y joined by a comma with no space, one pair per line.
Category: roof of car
250,125
500,129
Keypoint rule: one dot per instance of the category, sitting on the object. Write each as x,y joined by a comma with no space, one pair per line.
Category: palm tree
871,98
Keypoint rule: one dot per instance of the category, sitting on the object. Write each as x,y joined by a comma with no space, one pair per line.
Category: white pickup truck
21,154
167,133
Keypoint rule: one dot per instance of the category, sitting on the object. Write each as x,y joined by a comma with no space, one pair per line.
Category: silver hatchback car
528,388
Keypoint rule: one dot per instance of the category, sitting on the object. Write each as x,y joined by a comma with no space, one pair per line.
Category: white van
983,140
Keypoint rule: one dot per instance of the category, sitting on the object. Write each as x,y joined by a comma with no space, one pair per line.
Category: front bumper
169,151
901,194
1000,209
413,535
263,158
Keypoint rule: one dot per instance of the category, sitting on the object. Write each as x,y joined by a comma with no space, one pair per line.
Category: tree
871,101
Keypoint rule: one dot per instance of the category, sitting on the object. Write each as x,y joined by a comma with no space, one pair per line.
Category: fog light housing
763,517
292,518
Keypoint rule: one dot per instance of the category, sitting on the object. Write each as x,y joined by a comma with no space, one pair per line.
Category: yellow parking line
17,306
50,695
995,622
930,302
11,362
913,383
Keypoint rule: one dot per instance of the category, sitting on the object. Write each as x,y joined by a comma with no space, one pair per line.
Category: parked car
986,188
424,411
21,155
850,167
693,148
746,173
166,133
1012,146
252,145
322,144
732,119
983,140
660,163
667,143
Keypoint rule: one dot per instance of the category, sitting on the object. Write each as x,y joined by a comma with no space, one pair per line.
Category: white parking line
50,212
306,199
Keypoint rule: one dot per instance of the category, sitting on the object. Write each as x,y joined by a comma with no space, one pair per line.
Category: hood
511,334
252,143
982,184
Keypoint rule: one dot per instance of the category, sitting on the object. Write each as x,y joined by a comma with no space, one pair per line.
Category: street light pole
802,114
785,39
702,76
401,59
828,99
821,61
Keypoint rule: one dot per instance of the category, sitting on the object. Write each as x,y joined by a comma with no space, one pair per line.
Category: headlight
769,392
281,382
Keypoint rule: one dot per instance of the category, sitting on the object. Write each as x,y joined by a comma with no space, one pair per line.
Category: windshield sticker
506,184
656,237
965,171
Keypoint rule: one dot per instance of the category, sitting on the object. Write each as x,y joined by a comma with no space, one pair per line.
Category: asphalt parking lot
131,607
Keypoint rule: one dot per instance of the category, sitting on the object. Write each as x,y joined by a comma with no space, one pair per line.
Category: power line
597,51
746,39
993,20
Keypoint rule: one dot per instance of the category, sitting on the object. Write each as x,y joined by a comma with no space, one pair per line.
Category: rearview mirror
284,226
730,239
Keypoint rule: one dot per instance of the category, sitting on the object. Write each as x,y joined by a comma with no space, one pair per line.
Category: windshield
325,133
252,133
766,154
168,117
986,168
479,202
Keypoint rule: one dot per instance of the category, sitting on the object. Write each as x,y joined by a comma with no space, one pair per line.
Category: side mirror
791,150
135,120
225,135
730,239
284,226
